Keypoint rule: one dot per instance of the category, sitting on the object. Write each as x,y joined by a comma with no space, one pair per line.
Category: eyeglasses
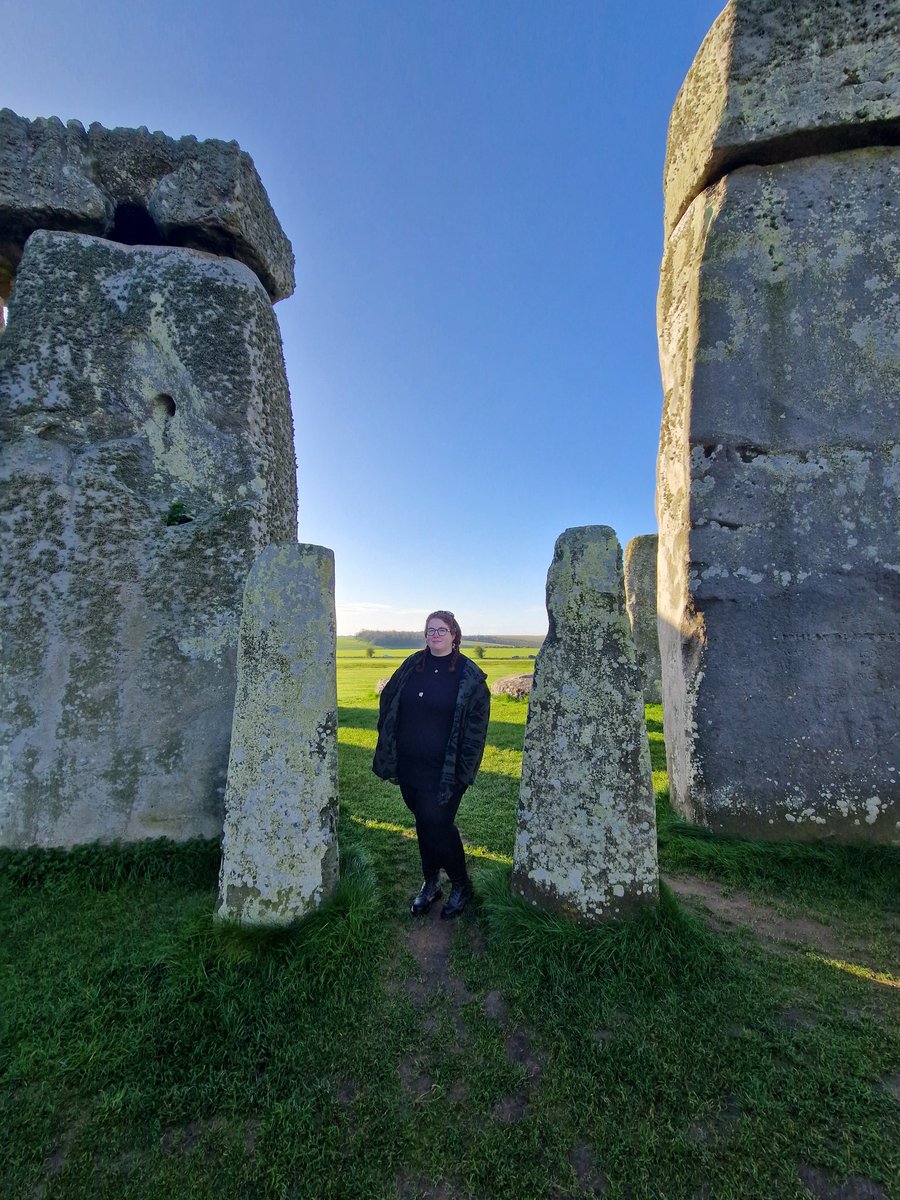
436,632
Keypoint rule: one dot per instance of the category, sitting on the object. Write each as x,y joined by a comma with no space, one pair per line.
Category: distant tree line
405,639
395,639
513,639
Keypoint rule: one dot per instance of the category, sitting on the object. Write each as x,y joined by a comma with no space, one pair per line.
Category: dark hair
452,624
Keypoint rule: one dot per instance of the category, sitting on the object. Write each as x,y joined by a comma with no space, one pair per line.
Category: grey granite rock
778,500
146,457
586,821
640,599
279,848
775,81
134,186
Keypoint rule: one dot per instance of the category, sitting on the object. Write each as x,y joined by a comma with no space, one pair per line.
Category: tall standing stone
146,459
279,850
586,820
640,599
778,490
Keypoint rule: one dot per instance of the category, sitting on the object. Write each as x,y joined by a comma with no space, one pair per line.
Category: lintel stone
205,195
775,81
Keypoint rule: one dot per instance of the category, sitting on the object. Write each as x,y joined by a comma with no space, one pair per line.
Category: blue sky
473,193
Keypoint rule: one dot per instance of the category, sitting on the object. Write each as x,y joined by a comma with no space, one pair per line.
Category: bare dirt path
730,908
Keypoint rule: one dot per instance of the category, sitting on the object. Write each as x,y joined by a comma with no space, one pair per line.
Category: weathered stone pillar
586,821
146,459
778,490
279,850
640,599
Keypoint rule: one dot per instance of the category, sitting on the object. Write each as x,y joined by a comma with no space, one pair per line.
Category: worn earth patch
726,907
854,1187
584,1163
429,941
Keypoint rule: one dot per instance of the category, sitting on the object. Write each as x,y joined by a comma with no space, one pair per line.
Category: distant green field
497,662
509,645
350,643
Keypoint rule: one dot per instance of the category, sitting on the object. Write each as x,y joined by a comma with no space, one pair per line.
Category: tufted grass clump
650,946
324,938
101,866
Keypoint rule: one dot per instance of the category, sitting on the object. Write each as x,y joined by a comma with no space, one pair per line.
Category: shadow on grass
819,872
339,925
104,866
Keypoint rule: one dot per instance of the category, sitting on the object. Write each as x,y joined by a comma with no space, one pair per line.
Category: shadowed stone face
586,822
140,188
279,850
146,459
778,488
640,597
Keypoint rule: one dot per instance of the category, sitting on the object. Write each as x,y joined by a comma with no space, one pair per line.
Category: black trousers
439,842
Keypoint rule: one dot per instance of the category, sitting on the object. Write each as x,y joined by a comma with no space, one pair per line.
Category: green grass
147,1052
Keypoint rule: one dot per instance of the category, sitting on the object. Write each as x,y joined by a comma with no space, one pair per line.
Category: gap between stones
788,147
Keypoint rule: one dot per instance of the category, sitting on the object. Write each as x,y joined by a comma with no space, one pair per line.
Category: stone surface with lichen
279,847
771,84
640,599
778,485
586,821
146,458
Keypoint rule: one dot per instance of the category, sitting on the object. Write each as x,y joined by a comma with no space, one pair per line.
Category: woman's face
438,637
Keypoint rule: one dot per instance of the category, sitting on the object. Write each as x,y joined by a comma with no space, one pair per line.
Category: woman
432,725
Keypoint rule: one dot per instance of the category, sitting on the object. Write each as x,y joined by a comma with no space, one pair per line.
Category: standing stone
146,458
778,488
586,821
279,850
640,598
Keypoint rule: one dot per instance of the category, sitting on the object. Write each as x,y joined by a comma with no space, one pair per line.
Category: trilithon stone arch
146,458
778,490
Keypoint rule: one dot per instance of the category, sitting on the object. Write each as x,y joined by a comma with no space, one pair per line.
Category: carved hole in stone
133,226
49,431
177,514
748,453
163,406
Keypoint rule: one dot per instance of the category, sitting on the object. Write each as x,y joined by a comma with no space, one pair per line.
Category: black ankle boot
460,895
428,893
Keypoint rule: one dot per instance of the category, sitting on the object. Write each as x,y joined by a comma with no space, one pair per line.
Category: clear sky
473,193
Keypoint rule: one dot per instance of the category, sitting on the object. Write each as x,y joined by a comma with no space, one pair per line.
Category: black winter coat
465,746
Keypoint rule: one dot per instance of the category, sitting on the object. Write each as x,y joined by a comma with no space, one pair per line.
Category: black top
427,702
